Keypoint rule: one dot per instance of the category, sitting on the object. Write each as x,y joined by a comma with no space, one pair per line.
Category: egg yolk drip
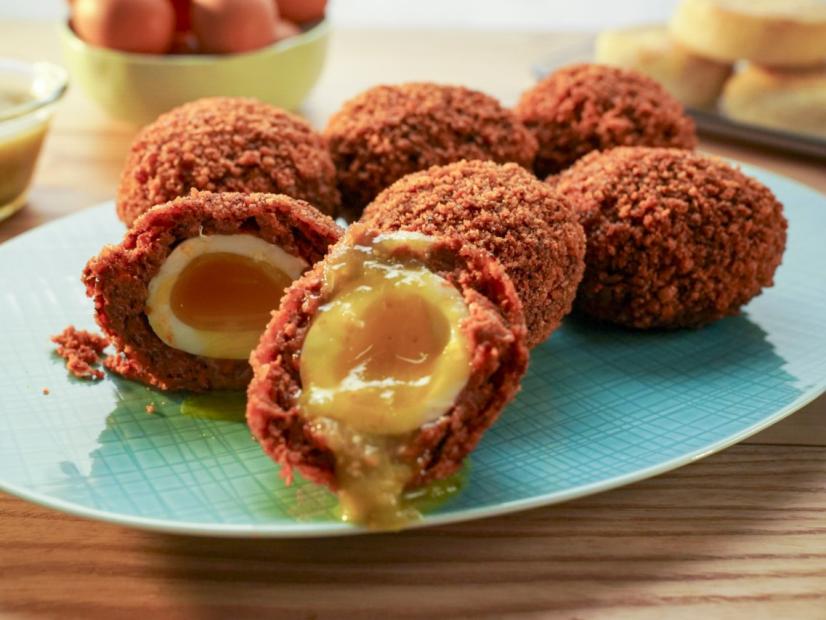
384,356
214,294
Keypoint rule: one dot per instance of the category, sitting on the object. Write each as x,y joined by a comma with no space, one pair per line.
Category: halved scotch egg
185,296
387,353
384,365
214,293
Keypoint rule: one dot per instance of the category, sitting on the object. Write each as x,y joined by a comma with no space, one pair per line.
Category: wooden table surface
741,534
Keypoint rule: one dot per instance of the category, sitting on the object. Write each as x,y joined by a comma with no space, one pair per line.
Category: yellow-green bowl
138,87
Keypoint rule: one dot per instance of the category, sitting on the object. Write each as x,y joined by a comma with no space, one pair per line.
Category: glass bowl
28,94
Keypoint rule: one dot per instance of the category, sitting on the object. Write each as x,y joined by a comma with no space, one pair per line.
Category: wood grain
739,535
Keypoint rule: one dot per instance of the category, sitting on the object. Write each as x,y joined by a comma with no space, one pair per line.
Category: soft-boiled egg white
176,333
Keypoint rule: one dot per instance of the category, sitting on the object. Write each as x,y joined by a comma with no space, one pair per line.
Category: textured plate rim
308,529
320,530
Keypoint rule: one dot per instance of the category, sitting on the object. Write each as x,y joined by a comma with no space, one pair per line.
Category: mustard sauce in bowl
28,93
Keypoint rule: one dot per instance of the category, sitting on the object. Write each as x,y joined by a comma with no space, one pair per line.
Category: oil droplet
437,493
226,406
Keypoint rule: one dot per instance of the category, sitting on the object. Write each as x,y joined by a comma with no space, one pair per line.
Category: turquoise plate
599,408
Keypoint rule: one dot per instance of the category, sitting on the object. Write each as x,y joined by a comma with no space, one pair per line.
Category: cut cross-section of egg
213,295
386,353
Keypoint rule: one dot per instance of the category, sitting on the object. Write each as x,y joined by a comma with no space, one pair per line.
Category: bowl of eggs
140,58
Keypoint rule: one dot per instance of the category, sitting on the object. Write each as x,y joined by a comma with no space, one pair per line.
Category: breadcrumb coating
118,278
82,351
387,132
226,144
495,328
586,107
675,238
505,210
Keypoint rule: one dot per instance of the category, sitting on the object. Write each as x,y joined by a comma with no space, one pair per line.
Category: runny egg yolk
227,292
385,355
388,352
214,294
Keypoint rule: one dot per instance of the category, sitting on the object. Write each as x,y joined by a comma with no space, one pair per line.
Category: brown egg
140,26
302,10
185,43
183,15
285,29
231,26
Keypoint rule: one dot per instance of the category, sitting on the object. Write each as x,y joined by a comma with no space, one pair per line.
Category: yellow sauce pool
224,406
20,142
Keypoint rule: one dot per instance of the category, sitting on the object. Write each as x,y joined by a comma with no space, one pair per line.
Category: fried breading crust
527,227
584,108
387,132
675,238
118,278
226,144
495,329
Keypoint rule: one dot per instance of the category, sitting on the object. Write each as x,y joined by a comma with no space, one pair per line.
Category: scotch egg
384,365
187,293
214,294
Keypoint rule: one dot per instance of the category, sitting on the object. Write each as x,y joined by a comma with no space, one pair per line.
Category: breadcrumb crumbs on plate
82,350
